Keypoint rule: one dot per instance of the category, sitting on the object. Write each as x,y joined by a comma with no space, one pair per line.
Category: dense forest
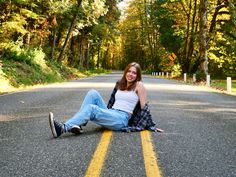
85,34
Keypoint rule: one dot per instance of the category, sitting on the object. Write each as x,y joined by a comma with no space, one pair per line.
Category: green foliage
200,76
222,85
14,25
96,71
29,27
23,66
22,74
17,52
222,58
32,32
26,66
165,20
176,70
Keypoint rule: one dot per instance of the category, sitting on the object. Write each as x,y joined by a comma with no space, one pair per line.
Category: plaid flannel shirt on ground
141,118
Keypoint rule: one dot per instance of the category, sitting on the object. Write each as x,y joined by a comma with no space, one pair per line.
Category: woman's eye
132,72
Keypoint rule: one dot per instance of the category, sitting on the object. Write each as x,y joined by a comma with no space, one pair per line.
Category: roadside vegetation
218,84
222,85
31,69
21,75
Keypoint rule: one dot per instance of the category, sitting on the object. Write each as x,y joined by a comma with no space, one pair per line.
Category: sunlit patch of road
149,86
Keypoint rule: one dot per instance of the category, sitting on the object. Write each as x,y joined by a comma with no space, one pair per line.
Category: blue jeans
94,108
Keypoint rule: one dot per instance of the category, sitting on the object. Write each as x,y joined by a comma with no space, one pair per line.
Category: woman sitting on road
127,109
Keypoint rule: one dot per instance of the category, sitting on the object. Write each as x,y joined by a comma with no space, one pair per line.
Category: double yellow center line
98,159
150,161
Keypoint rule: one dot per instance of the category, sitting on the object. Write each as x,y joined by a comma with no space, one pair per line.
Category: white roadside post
185,77
167,74
194,77
229,85
208,83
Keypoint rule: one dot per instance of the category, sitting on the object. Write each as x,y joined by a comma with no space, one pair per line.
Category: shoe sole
51,123
76,130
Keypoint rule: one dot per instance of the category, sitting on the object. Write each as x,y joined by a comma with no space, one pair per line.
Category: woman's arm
112,97
142,94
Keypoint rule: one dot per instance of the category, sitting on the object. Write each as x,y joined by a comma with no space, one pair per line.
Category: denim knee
90,110
92,92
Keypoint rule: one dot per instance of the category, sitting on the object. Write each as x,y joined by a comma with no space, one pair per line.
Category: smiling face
131,74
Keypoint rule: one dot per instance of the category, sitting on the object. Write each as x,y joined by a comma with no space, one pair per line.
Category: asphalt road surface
199,138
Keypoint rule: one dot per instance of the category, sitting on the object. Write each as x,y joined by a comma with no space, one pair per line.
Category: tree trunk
185,62
203,33
105,58
191,40
53,43
69,33
52,37
71,58
98,50
81,51
67,38
92,55
87,57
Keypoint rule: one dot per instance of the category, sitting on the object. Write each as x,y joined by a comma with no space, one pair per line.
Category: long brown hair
122,83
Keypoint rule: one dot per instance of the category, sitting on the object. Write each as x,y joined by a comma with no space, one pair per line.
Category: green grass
215,83
23,66
222,85
16,75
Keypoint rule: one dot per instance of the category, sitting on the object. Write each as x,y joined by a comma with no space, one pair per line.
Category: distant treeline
95,34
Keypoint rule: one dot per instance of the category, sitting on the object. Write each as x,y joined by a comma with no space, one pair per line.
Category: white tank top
125,100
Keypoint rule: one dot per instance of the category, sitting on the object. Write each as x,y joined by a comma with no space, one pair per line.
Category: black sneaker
56,127
76,129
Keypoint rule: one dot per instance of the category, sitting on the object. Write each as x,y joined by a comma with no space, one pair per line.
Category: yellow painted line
150,160
96,163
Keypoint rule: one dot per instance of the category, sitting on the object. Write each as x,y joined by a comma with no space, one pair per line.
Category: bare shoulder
140,86
142,93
